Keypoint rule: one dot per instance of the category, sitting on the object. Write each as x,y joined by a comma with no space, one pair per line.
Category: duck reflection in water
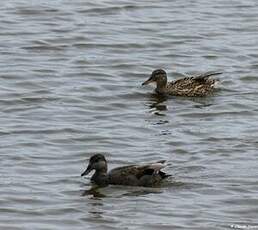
116,191
156,104
94,192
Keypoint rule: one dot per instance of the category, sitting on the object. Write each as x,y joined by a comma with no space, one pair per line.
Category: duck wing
141,175
127,175
201,78
204,76
197,85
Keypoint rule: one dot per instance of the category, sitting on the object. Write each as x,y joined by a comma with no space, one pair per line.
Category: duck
146,175
199,85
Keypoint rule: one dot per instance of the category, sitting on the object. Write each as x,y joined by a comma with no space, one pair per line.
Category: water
71,74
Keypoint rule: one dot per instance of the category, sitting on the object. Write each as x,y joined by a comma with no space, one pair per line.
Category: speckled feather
199,85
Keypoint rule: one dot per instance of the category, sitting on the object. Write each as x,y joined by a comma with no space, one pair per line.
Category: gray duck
193,86
147,175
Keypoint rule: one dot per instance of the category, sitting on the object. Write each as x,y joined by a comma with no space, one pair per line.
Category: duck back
198,85
134,175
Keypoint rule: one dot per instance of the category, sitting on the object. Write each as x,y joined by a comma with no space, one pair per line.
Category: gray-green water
70,86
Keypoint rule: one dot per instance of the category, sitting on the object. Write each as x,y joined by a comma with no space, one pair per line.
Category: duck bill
147,82
87,171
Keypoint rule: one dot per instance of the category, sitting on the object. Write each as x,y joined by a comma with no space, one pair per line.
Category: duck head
98,163
160,77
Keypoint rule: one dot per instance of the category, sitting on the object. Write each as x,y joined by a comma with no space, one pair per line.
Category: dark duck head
159,76
99,164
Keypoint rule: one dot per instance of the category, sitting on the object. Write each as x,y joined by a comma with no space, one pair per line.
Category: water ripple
71,74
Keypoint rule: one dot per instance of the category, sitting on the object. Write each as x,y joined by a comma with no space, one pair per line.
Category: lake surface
71,74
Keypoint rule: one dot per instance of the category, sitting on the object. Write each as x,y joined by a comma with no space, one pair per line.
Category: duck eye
96,160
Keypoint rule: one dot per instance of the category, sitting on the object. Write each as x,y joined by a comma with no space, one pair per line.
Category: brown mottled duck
193,86
148,175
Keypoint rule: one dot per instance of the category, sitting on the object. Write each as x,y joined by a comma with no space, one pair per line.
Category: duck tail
157,165
164,175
